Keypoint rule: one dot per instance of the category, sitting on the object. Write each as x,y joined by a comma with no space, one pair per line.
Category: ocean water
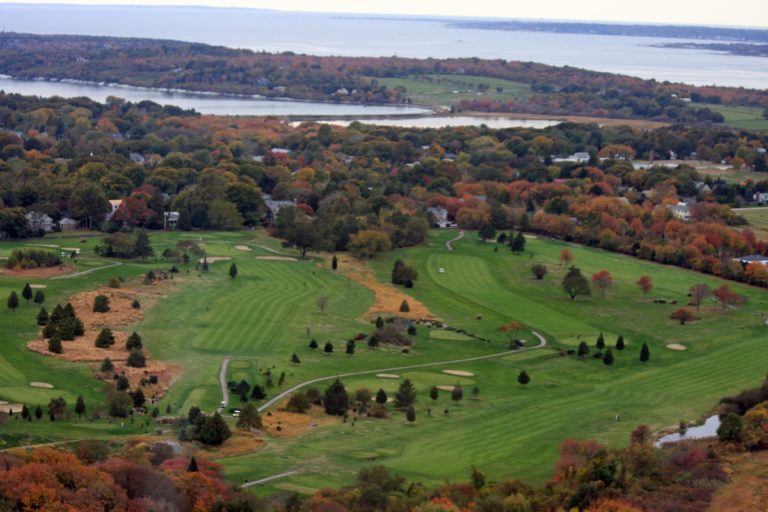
328,34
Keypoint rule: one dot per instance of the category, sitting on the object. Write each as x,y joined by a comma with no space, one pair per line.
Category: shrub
299,402
378,411
404,307
101,304
134,342
54,344
136,359
31,258
105,339
136,304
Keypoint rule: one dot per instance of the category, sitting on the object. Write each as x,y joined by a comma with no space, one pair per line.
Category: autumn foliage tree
646,284
727,297
602,281
566,258
682,315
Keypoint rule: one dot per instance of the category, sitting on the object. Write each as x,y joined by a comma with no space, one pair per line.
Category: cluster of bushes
31,258
61,325
197,426
392,331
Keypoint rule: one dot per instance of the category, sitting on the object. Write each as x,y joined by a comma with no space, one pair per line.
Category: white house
40,222
115,204
274,206
580,157
68,223
680,211
753,258
170,219
761,198
440,215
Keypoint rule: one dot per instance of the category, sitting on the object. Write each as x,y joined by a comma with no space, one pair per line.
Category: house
115,204
680,211
136,158
440,216
761,198
580,157
280,151
39,222
273,207
68,223
170,219
753,258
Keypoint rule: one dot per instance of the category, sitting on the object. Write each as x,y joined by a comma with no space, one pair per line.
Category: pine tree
54,344
192,467
645,353
142,247
608,358
214,430
295,359
25,414
328,348
26,292
523,378
404,307
334,263
410,414
381,397
80,406
42,317
406,394
233,271
101,304
106,365
39,297
457,393
335,399
105,339
313,344
38,412
133,342
136,359
350,347
620,342
517,243
600,344
257,393
379,322
583,349
13,301
434,393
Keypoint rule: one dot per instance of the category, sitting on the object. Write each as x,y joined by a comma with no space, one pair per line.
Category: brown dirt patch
676,346
748,486
459,373
387,298
243,248
43,385
387,376
240,443
276,258
293,424
37,272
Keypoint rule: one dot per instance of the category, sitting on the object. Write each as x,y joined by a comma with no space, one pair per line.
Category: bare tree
322,303
699,292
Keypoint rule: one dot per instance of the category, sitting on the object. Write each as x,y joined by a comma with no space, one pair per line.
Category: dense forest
367,189
198,67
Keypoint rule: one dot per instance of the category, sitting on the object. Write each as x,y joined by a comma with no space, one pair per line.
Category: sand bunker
445,388
676,346
243,248
38,286
6,408
276,258
387,376
214,259
387,298
43,385
459,373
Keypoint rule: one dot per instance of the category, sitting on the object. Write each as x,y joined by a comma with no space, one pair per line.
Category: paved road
269,479
223,382
449,242
272,401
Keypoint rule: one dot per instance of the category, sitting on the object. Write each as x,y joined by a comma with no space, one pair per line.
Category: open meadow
270,311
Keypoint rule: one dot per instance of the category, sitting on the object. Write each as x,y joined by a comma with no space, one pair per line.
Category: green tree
204,265
487,232
249,418
313,344
434,393
583,349
13,301
80,406
381,396
101,304
478,478
539,270
105,339
328,348
26,292
404,307
295,358
600,343
410,414
42,317
214,430
405,395
106,365
138,398
25,414
402,273
620,342
133,342
350,347
136,359
608,357
38,412
574,283
335,399
523,378
334,262
457,393
730,428
121,383
645,353
54,344
142,247
517,242
39,297
233,271
299,403
88,203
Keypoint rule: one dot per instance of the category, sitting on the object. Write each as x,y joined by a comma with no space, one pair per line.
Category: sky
747,13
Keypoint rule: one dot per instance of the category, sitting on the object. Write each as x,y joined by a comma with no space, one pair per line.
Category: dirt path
269,479
86,272
277,398
449,242
223,382
39,445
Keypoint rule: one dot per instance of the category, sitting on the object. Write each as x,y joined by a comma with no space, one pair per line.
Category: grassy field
749,118
270,312
758,220
447,90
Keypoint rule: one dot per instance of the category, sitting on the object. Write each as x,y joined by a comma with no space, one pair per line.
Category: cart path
223,382
272,401
269,479
86,272
449,242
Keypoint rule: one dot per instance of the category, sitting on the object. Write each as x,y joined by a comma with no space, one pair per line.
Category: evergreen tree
600,344
583,349
645,353
313,344
517,242
404,307
142,247
38,412
42,317
249,418
80,406
25,414
192,467
410,414
121,383
133,342
574,283
406,394
101,304
105,339
69,311
136,359
233,271
138,398
379,322
434,393
204,266
39,297
335,399
334,263
608,357
54,344
523,378
257,393
350,347
214,430
381,397
620,342
457,393
106,365
13,301
487,232
57,314
26,292
328,348
295,359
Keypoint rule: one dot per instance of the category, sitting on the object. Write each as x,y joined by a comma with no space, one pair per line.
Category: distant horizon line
381,16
